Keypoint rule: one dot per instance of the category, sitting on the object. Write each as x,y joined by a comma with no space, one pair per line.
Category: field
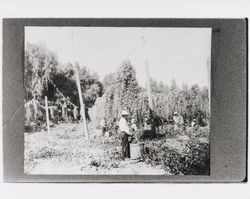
75,90
66,151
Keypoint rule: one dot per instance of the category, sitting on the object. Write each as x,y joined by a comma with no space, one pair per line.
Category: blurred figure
147,124
133,125
35,103
115,125
193,123
135,133
158,123
147,130
103,125
178,120
64,110
75,113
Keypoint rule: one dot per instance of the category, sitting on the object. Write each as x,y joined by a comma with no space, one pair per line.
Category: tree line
117,91
123,92
44,73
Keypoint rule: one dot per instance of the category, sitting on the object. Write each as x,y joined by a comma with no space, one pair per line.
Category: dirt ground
66,151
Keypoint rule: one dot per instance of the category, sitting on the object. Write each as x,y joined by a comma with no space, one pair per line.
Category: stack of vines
123,92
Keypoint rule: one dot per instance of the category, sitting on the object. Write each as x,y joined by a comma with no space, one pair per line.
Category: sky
182,54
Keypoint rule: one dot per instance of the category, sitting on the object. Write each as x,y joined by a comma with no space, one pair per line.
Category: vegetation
123,92
183,154
44,73
182,151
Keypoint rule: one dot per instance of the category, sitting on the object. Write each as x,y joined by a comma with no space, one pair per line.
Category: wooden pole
47,113
82,105
150,101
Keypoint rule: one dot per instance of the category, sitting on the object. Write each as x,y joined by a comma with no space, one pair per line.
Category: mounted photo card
125,100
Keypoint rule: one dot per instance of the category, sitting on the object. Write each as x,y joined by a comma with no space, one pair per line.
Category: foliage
189,103
64,80
121,93
127,87
109,80
43,72
117,91
44,76
40,63
90,85
192,160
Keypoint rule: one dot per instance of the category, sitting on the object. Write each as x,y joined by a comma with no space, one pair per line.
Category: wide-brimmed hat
125,112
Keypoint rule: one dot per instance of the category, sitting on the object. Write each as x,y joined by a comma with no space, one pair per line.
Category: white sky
179,53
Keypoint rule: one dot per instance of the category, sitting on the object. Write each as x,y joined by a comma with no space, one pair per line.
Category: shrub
193,160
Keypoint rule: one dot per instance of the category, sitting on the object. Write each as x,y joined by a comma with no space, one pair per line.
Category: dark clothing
104,129
125,145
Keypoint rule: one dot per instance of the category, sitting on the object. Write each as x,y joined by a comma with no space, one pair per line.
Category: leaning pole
82,105
47,114
150,100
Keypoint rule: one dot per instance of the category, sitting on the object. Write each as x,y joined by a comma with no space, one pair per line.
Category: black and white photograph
117,100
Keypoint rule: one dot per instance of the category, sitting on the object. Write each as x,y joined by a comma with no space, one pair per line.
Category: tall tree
40,64
127,87
90,85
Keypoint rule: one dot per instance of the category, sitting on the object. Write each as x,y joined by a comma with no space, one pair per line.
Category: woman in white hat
125,133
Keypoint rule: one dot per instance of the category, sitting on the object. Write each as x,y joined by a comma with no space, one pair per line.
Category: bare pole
82,105
47,114
150,100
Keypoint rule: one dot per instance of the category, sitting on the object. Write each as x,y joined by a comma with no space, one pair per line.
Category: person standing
133,125
125,133
35,103
178,121
75,113
64,110
147,130
193,123
103,125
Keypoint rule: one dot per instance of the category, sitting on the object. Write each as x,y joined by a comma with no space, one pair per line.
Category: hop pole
47,113
150,100
82,105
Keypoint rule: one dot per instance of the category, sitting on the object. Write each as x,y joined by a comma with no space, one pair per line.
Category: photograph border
228,136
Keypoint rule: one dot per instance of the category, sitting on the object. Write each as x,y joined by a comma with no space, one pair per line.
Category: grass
66,151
